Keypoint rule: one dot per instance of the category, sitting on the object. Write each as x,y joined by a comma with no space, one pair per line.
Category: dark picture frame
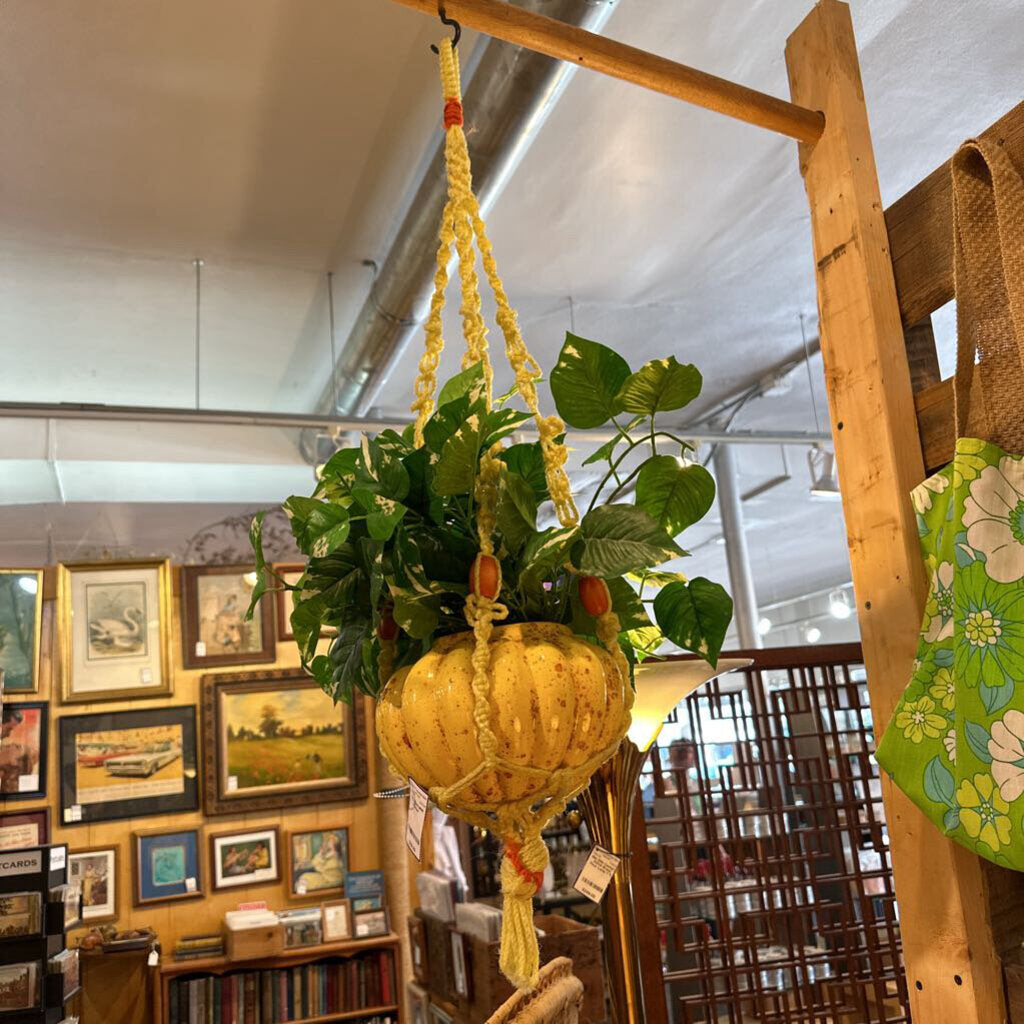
13,825
371,924
227,791
21,673
192,623
269,835
302,863
13,753
171,851
140,776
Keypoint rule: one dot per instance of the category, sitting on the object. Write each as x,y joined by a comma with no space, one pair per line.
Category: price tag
154,958
232,783
73,813
200,649
597,873
418,800
190,885
58,857
28,783
146,676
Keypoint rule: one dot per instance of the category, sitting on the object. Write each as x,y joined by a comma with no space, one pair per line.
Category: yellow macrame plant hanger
518,823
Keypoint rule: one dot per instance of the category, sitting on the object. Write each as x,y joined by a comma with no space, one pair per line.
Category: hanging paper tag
597,873
58,857
154,958
73,813
418,800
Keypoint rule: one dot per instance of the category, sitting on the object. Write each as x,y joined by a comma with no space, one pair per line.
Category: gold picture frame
10,620
111,634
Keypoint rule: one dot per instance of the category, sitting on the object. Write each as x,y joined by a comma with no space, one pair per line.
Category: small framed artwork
114,630
274,739
368,902
21,617
19,986
128,764
369,923
460,965
317,862
214,630
95,870
418,948
20,915
27,828
23,736
285,599
418,999
244,858
337,920
167,866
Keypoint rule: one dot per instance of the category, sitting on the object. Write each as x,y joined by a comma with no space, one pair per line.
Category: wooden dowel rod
545,35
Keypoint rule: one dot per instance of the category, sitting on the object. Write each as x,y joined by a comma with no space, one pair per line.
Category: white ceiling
278,140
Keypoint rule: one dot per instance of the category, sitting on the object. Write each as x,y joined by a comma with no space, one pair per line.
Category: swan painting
117,620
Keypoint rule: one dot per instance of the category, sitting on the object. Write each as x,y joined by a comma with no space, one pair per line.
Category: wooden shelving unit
175,969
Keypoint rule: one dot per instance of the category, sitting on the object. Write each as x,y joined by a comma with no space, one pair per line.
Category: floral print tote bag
955,744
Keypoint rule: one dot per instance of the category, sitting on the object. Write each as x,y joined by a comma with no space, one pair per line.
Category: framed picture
214,600
21,617
285,599
20,914
418,999
418,947
368,923
128,764
337,924
95,870
317,862
23,736
244,858
460,965
274,739
19,986
167,866
367,902
25,828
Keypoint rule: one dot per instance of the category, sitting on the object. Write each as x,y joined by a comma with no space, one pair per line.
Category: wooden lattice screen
771,875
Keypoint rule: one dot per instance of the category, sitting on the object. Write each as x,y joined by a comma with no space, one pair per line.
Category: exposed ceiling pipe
509,98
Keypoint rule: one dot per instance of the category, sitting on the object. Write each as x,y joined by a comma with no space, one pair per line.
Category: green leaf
381,472
341,465
616,539
645,641
995,698
604,453
695,616
675,496
347,658
313,608
456,469
499,423
319,526
585,382
659,577
469,382
546,551
528,461
626,604
951,819
445,422
382,514
977,737
659,386
418,615
938,782
263,571
517,511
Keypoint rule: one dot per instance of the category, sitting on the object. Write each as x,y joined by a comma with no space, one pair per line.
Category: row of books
277,995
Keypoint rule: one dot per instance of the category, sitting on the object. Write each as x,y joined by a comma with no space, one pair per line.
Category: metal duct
508,99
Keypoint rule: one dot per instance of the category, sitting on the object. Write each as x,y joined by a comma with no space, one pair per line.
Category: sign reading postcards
128,764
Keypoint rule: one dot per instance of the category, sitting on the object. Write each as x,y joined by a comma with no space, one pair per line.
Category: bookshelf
354,949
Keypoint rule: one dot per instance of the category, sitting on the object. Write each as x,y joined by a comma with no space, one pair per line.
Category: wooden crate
254,943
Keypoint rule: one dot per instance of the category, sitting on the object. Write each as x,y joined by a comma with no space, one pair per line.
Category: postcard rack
38,974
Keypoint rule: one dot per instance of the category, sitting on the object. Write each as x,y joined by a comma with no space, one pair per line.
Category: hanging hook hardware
451,23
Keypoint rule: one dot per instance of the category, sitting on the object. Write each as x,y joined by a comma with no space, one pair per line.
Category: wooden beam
953,969
536,32
920,227
934,408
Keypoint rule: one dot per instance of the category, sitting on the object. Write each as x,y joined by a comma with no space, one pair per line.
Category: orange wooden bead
595,596
485,576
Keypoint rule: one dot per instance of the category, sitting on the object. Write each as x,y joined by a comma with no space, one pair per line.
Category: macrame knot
452,113
522,874
538,855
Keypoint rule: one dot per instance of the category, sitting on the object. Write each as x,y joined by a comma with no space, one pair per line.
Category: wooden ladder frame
879,277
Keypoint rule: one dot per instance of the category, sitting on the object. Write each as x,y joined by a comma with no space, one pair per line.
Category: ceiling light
764,626
29,584
812,634
824,484
839,605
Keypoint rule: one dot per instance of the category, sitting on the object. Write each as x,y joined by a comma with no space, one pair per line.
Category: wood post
953,969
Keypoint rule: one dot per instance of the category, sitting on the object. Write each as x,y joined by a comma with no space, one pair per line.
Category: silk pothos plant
390,536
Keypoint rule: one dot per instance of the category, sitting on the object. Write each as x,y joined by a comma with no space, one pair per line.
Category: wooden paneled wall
190,916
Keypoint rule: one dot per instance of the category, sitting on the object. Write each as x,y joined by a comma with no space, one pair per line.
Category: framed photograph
114,630
20,914
337,924
460,965
285,599
244,858
95,870
274,739
302,927
128,764
21,617
167,865
19,986
26,828
214,631
418,948
317,862
418,999
23,737
369,923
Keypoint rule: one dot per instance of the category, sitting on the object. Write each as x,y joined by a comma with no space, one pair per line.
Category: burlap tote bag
955,744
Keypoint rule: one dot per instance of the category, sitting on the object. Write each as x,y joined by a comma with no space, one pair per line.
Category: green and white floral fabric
955,744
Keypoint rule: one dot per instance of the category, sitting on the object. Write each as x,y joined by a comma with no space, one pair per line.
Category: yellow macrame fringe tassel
518,823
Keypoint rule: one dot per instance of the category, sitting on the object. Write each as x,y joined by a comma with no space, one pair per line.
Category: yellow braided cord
520,958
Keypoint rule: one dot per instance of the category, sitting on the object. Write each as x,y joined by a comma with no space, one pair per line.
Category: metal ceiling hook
451,23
